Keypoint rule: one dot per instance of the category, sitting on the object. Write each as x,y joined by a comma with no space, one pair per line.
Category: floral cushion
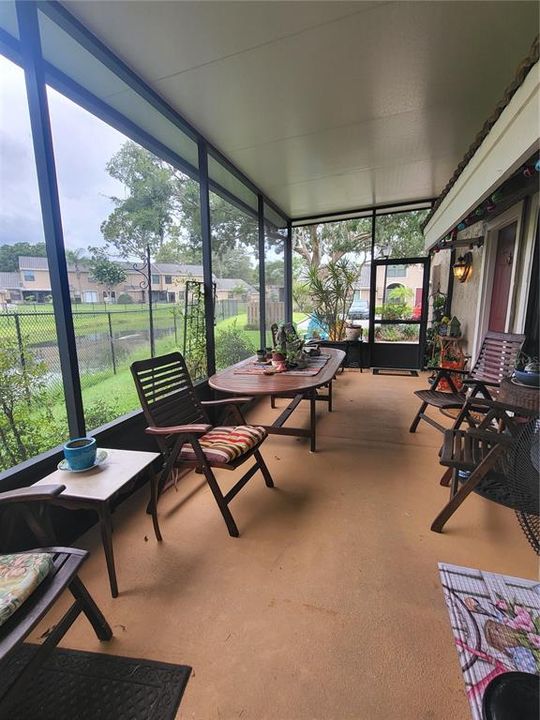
225,444
20,574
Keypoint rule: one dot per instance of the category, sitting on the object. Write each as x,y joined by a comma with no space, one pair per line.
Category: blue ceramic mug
80,453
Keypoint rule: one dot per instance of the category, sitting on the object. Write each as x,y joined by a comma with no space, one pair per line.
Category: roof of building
41,263
9,281
33,263
177,269
233,283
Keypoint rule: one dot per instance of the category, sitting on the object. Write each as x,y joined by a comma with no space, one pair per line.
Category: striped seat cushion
225,444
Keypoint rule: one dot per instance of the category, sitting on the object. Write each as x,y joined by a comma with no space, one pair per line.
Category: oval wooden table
284,385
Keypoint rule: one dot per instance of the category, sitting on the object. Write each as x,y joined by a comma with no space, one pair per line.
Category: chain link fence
108,341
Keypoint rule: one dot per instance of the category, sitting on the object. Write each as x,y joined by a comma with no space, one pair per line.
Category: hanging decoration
482,211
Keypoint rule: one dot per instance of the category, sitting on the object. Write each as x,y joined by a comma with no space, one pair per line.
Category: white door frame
493,227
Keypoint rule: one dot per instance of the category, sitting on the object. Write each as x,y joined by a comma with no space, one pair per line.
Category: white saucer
101,456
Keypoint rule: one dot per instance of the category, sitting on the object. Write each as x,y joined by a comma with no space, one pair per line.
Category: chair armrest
226,401
490,436
34,493
199,429
450,370
476,381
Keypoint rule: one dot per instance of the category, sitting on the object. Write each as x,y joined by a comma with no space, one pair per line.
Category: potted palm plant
331,290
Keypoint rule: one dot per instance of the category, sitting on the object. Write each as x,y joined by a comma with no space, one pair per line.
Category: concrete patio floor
329,604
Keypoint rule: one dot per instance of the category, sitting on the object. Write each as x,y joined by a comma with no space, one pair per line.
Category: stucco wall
465,301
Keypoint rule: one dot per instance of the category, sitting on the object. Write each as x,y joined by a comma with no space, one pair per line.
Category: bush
396,333
124,299
232,345
100,412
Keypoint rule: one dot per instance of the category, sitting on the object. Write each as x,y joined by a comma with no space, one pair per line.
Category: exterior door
398,312
502,278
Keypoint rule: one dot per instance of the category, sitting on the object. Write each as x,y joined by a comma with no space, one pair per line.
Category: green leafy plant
331,289
101,411
27,426
124,299
232,345
432,349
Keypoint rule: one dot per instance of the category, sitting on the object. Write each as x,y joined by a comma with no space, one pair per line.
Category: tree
274,272
235,264
328,242
78,260
400,234
397,235
144,216
9,254
105,271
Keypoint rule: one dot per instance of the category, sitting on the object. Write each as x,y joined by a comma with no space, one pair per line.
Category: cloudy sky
83,145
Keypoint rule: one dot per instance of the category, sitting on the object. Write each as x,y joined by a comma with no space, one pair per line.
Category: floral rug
496,624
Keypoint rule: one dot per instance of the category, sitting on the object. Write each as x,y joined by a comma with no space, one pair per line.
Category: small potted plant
527,370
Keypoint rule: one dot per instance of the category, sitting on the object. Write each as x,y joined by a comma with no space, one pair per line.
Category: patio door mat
93,686
395,371
495,621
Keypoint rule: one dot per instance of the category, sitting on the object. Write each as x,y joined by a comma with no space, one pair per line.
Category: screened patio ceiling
326,106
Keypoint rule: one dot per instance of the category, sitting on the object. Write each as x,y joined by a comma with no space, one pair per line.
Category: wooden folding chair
177,418
63,575
473,456
496,360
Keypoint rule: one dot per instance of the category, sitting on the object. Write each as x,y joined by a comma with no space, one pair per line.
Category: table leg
313,421
105,524
330,407
154,493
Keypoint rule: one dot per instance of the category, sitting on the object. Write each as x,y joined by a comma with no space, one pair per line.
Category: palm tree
78,260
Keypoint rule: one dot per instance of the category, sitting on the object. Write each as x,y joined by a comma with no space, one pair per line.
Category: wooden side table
94,489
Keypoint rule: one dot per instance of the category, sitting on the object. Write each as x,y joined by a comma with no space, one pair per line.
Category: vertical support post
111,343
150,303
262,281
288,274
424,314
50,210
450,288
204,197
372,290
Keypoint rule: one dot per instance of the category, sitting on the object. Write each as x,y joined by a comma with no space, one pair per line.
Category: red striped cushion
225,444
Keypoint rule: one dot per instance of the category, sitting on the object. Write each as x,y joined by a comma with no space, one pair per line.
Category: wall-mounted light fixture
462,267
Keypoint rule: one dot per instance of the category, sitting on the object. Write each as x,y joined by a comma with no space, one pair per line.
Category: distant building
234,288
388,278
32,282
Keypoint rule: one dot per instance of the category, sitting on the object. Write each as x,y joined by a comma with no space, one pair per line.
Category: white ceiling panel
327,106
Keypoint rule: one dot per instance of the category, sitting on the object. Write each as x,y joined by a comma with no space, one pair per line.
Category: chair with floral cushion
30,584
180,423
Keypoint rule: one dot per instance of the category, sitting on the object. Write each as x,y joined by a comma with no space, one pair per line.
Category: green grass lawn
116,394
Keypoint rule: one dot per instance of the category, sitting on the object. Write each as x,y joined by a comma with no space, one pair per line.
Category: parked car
359,310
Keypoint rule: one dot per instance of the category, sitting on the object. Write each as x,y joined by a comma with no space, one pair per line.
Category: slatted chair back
497,356
166,392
